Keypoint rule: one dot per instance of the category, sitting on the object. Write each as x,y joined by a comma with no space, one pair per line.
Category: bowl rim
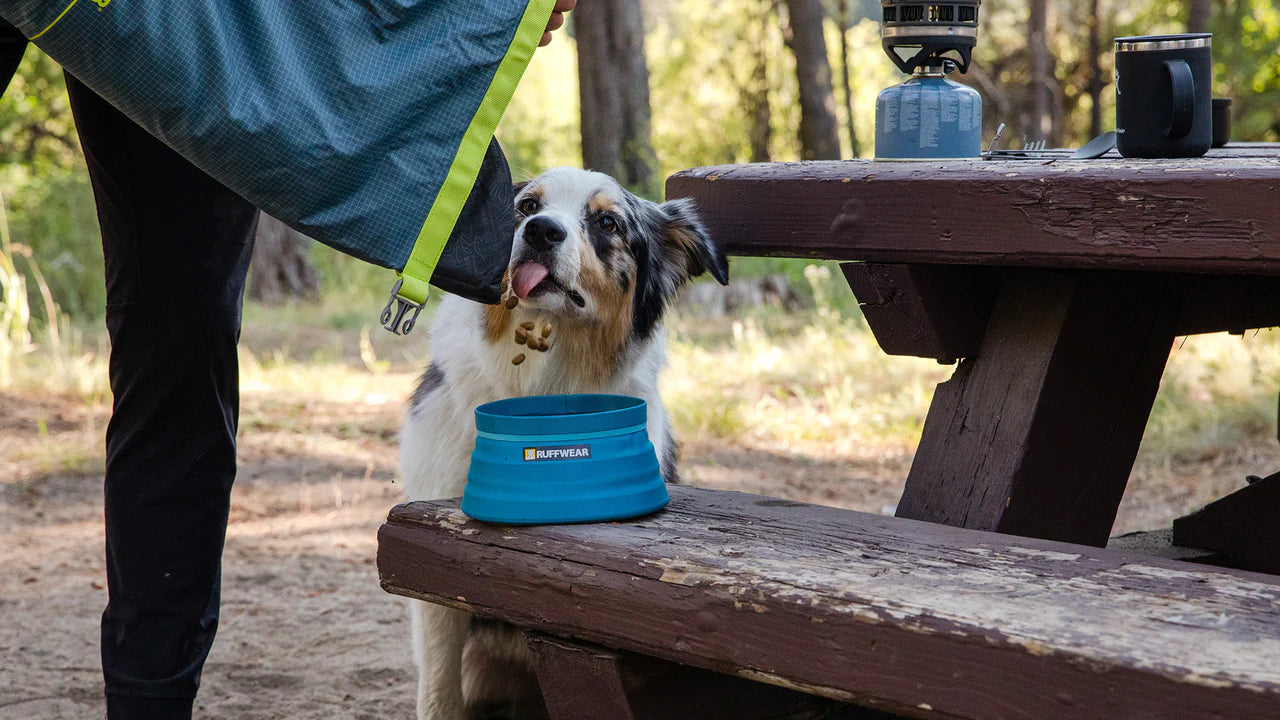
614,412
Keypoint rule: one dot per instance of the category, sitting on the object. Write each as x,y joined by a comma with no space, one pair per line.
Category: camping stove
929,117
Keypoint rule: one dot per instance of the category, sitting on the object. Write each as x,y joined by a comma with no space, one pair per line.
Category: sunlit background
805,383
792,399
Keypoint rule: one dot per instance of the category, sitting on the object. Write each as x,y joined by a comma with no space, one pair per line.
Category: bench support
931,311
581,681
1037,433
1242,526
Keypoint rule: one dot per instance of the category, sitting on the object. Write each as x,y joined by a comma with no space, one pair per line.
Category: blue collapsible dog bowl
563,459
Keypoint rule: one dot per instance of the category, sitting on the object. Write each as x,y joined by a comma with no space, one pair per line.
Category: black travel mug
1164,95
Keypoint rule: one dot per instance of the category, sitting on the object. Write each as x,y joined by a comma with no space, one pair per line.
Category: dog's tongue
526,277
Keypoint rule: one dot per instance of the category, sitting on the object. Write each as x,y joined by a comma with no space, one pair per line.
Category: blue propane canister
927,118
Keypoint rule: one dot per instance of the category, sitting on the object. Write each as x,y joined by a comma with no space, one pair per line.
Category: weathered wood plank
1244,526
1216,214
922,619
588,682
931,311
942,311
1037,434
1214,303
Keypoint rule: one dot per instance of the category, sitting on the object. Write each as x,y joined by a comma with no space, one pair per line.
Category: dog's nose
542,233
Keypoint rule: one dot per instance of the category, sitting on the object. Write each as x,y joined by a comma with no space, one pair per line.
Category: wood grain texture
581,681
925,620
941,311
1220,213
933,311
1214,303
1244,526
1037,434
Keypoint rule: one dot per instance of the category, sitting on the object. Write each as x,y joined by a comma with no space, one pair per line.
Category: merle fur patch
430,380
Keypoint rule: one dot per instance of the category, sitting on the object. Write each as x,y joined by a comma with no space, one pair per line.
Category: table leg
1036,434
581,681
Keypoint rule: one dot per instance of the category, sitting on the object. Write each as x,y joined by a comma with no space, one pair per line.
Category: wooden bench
918,619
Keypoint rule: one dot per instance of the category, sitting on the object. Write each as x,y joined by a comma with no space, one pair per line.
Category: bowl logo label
558,452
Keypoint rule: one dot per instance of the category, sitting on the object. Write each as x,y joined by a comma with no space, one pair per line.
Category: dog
600,266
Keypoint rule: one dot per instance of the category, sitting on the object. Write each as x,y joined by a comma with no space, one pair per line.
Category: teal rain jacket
361,123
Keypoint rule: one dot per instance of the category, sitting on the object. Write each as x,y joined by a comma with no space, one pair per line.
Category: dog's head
586,248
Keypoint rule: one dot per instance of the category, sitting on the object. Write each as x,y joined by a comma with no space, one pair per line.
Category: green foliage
53,213
703,61
36,129
541,126
46,187
1247,66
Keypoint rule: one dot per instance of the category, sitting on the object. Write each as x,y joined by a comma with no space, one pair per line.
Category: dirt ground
306,632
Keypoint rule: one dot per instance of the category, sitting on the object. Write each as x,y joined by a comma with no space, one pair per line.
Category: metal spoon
1096,147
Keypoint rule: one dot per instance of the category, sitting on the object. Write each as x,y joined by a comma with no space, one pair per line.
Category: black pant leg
177,247
12,45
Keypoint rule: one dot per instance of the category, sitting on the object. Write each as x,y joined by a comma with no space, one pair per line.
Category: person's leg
12,45
177,247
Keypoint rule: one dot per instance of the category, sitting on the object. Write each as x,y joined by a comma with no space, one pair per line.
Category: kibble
543,345
512,302
546,331
532,342
528,325
517,359
521,336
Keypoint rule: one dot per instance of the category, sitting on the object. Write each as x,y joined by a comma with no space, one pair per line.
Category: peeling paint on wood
901,612
1220,213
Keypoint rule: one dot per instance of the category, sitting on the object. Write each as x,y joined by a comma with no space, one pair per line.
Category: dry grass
825,384
810,386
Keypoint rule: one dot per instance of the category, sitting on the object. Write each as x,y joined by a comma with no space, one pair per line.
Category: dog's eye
609,224
528,206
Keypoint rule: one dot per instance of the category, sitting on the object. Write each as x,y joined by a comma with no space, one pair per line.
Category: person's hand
557,19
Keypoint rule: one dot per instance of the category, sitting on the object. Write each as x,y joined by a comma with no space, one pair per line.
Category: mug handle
1184,98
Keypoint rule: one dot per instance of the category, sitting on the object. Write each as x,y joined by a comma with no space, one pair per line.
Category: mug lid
1185,41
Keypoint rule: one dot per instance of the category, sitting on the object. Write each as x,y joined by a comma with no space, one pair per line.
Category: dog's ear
684,232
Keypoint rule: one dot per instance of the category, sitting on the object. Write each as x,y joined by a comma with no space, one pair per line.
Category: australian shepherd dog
593,268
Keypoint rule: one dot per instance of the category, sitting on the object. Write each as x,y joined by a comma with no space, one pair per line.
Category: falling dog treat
528,325
546,330
512,302
543,345
532,342
521,336
517,359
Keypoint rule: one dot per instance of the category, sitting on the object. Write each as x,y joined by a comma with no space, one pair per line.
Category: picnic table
1058,289
1059,286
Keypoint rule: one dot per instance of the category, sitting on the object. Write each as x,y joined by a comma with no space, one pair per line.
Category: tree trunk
1096,81
281,265
1198,15
854,146
1041,124
819,133
755,95
614,88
